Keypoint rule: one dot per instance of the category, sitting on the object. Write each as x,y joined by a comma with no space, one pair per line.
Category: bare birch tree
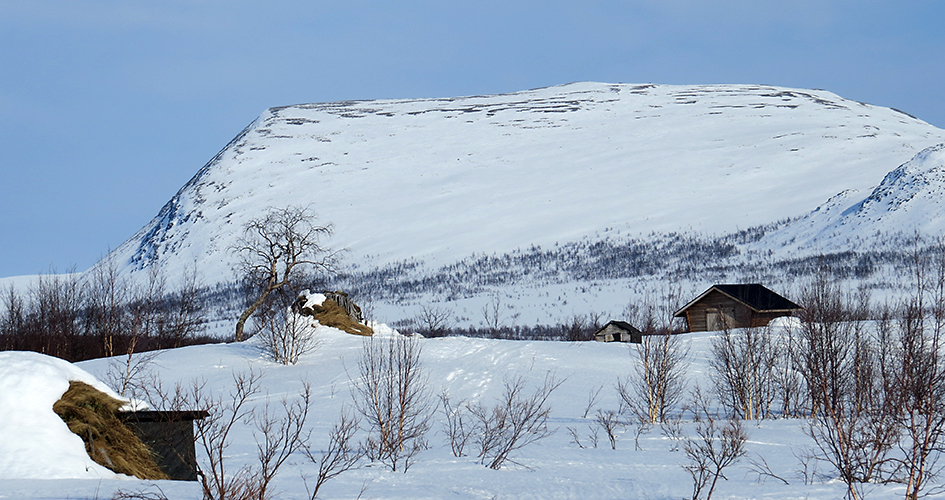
658,380
922,375
106,314
275,251
743,363
853,396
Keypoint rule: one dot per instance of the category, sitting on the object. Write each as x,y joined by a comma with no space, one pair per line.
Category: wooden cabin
619,331
735,306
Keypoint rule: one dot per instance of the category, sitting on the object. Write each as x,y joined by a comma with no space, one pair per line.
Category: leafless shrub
610,422
140,494
285,336
517,420
671,428
575,436
279,434
213,435
807,459
716,448
433,321
699,404
458,427
593,436
392,396
759,465
855,444
833,434
127,375
592,396
341,455
643,426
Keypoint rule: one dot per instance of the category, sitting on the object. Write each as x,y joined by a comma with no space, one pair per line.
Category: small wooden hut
619,331
170,435
735,306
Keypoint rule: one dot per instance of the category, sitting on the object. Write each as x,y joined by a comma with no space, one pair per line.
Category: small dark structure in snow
735,306
170,435
619,331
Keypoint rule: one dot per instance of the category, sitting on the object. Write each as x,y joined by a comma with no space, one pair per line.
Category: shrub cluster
100,314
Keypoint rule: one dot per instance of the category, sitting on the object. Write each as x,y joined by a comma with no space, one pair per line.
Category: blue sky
109,107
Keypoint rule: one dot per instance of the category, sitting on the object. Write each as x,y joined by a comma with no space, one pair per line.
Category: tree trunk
249,312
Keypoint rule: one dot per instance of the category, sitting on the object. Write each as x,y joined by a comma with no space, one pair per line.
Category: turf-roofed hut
144,444
735,306
334,309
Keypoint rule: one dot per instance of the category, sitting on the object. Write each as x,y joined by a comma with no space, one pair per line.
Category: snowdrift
34,441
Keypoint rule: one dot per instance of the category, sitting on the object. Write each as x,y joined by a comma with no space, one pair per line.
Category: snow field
475,369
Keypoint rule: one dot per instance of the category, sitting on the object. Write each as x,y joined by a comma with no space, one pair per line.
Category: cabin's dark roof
623,325
753,295
163,416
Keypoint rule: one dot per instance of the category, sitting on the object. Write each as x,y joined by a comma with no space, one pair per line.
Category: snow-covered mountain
908,200
435,181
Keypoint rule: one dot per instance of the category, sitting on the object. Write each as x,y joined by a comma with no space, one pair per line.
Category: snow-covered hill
909,200
440,179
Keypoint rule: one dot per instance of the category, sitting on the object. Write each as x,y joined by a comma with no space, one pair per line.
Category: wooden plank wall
696,315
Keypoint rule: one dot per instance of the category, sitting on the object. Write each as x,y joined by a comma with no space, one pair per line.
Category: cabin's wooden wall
609,334
696,315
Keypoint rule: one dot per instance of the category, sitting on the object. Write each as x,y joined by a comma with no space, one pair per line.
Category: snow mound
312,299
34,442
785,323
383,330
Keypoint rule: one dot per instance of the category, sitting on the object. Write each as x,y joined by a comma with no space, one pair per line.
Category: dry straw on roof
91,414
333,315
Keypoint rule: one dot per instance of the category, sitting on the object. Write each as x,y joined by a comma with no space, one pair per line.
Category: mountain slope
439,179
908,200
